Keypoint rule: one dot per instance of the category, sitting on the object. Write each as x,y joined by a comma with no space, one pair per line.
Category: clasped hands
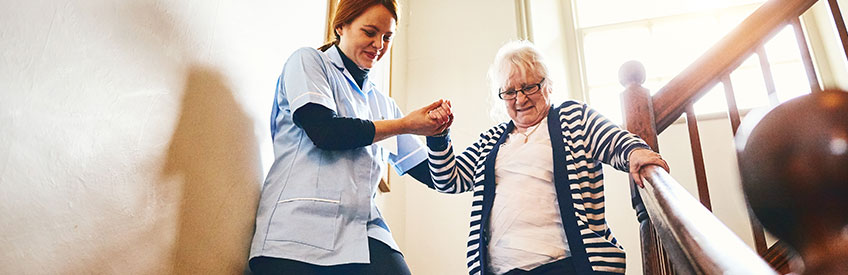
430,120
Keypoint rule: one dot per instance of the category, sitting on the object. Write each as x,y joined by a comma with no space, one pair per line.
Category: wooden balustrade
806,57
840,24
698,243
673,225
698,157
674,232
671,100
735,120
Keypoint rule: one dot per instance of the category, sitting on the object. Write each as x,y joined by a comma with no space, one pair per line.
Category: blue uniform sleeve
305,80
410,153
410,150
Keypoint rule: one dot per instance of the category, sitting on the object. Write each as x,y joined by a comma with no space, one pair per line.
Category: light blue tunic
317,206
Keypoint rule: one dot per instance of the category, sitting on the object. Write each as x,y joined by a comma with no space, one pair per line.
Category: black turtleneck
329,131
359,75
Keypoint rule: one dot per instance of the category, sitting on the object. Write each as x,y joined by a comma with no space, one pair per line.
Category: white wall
828,53
443,51
131,130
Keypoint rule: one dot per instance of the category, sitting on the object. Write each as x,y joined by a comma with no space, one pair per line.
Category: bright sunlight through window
666,36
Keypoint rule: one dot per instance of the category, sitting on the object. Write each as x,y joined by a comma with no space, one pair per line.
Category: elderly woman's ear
643,157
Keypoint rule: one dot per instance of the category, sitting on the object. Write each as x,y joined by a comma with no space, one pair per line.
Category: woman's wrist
633,149
438,143
443,133
387,128
404,125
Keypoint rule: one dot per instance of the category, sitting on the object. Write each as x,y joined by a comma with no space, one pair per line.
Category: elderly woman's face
527,110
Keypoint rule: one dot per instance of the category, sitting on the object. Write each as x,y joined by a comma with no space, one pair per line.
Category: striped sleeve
606,141
456,173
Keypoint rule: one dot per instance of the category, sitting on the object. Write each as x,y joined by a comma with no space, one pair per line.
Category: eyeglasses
527,90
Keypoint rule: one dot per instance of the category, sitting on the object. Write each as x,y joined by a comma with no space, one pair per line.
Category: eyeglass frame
522,90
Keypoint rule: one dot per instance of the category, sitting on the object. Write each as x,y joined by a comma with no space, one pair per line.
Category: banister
696,241
670,101
674,227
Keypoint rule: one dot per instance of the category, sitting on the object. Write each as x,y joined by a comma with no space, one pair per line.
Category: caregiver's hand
424,122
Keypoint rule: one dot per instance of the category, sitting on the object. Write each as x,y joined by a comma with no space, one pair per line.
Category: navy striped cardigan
581,141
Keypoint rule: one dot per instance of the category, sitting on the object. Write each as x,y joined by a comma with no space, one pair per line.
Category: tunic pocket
309,221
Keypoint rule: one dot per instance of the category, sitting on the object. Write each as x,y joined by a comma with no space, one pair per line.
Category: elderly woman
538,193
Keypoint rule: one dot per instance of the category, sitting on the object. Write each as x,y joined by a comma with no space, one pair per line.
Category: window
666,36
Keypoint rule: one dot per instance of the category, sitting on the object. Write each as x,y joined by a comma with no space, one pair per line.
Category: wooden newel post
639,119
637,104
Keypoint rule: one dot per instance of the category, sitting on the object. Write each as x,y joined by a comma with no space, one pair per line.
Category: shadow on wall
214,151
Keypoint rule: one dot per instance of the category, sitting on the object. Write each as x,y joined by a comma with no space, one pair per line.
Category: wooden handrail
695,240
676,231
671,100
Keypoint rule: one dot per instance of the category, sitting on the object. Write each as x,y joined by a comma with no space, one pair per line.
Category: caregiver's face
368,37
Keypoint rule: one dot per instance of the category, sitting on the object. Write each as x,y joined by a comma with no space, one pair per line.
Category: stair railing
678,234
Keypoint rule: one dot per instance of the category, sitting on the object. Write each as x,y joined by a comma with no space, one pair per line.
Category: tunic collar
336,58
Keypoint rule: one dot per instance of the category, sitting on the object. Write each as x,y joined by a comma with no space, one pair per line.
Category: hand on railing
642,157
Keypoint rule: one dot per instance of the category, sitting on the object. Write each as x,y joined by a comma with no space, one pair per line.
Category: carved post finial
631,72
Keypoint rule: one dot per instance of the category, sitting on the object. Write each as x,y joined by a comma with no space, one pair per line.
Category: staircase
679,234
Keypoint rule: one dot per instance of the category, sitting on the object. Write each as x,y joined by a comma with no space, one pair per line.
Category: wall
131,130
829,56
443,51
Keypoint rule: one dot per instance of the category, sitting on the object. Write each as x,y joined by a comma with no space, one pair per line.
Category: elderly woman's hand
442,114
642,157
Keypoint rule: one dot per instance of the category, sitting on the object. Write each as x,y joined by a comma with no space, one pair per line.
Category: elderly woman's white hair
518,56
